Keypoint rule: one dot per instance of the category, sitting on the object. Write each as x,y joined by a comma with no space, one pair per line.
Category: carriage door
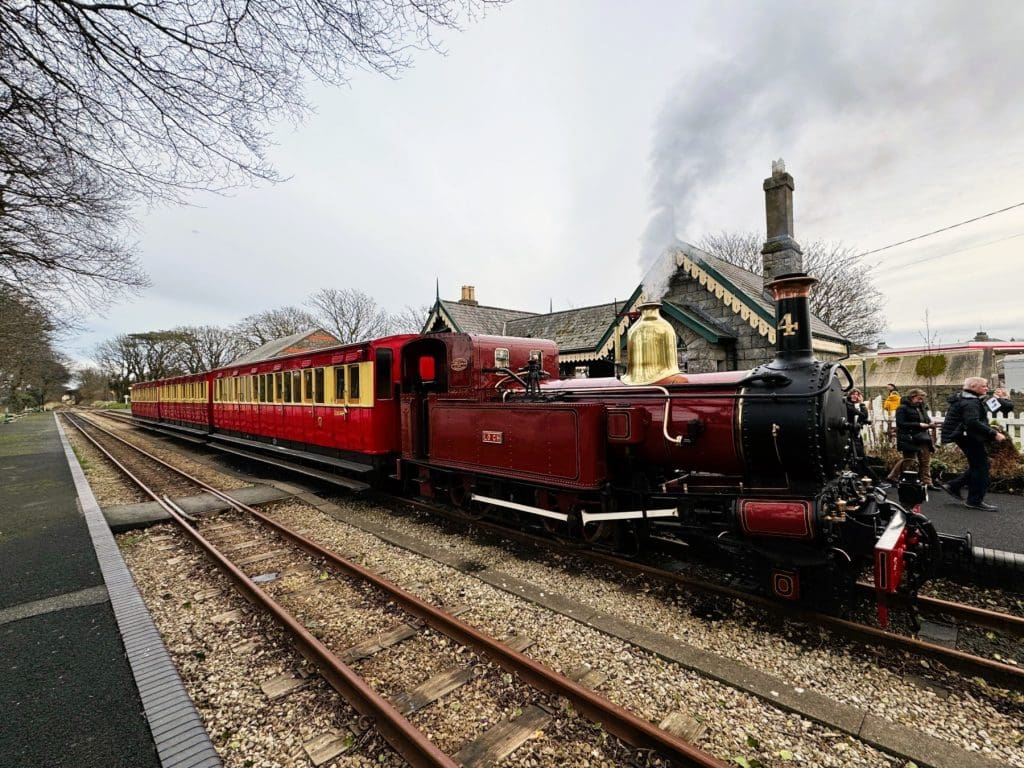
321,424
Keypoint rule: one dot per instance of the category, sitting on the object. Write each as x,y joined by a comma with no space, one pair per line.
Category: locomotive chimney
784,274
469,296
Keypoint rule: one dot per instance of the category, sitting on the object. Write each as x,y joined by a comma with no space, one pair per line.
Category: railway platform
85,679
1001,530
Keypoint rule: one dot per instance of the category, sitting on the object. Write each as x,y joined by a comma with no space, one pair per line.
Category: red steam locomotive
755,463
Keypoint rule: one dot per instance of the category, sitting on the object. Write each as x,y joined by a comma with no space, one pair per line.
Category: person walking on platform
913,437
966,424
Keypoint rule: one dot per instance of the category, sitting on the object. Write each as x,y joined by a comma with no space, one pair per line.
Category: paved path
998,530
68,669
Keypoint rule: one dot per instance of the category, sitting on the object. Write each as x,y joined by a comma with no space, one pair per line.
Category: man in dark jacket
967,425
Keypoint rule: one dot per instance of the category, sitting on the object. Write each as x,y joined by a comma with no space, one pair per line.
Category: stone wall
752,349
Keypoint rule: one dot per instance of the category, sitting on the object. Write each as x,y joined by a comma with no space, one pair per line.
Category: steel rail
975,666
615,719
982,617
406,739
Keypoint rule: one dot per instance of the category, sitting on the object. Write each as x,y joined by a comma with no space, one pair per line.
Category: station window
318,385
501,358
382,375
353,383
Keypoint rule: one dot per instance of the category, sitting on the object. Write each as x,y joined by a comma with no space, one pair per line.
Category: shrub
1007,468
930,366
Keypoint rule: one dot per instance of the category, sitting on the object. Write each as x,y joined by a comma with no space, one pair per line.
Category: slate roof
574,330
478,319
287,345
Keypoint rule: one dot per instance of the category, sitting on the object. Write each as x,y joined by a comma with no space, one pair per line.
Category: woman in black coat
913,437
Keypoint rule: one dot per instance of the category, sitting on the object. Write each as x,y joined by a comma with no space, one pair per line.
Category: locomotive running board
636,514
519,507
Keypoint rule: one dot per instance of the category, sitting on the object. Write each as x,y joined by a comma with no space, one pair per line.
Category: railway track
231,544
969,664
962,616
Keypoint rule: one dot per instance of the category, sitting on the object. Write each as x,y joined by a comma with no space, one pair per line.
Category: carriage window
318,385
382,374
501,358
286,391
261,393
339,384
254,389
353,382
278,387
307,386
296,386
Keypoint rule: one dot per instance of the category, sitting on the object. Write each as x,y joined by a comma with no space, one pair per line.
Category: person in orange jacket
892,401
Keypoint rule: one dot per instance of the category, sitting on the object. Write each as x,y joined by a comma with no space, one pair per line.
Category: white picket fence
883,427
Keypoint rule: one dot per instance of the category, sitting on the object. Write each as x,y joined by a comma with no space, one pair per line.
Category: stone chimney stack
782,254
469,296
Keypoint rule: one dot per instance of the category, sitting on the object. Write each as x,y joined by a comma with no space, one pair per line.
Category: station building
723,318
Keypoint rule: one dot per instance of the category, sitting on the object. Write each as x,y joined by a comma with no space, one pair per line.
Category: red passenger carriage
338,405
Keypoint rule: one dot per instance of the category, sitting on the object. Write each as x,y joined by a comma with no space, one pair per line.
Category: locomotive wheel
595,533
460,493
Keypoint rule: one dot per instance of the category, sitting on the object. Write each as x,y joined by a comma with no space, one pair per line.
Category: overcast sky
530,160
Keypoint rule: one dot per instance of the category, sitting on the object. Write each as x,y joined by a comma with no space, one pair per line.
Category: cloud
864,101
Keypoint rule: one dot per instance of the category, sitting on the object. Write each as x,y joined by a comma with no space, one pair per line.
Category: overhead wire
898,267
942,229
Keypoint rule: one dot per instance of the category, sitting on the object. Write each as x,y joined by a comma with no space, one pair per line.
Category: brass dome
650,348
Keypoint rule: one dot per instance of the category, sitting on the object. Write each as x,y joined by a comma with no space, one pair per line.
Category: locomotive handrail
626,391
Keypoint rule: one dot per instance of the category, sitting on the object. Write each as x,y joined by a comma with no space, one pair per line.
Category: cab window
501,358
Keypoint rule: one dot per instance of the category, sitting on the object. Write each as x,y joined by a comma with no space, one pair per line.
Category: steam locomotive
757,463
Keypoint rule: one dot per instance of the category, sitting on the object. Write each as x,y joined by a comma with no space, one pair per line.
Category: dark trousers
976,476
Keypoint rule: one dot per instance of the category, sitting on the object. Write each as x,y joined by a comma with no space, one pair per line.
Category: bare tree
101,103
410,320
349,314
255,330
845,296
206,347
92,385
132,357
31,370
